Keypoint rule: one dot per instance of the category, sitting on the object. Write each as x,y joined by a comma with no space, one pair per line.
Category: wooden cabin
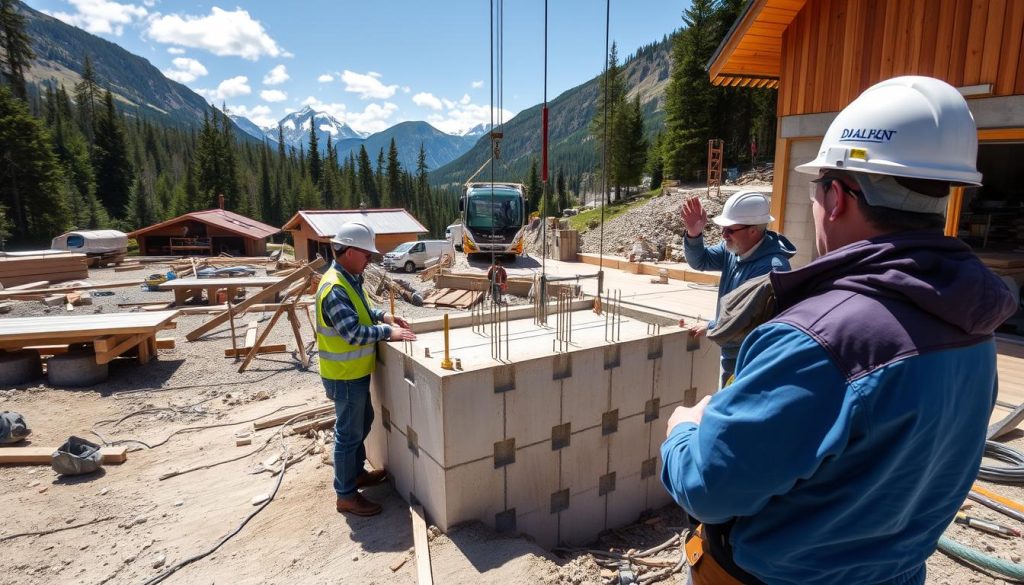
312,230
821,54
205,233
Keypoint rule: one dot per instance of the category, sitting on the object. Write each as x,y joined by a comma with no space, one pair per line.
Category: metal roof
228,220
327,222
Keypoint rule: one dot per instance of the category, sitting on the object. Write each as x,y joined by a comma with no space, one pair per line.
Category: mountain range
439,148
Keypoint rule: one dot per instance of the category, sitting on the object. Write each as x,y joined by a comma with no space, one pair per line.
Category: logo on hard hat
866,135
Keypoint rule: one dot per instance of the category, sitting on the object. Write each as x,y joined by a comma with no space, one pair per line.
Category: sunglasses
364,253
828,180
728,231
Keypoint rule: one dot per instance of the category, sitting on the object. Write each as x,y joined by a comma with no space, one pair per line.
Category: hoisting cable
604,145
544,168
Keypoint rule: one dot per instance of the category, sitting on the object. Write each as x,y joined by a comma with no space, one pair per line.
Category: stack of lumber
452,297
24,267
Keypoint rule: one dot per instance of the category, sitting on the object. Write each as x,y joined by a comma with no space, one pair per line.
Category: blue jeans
354,415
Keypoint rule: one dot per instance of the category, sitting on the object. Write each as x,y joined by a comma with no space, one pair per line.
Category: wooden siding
303,234
835,49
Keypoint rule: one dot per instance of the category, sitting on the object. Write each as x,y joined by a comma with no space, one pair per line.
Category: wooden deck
110,334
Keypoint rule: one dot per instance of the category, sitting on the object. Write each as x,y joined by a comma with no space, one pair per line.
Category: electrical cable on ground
52,530
960,551
277,486
1012,474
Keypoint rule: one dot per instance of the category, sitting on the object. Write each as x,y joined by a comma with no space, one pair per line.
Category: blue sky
370,63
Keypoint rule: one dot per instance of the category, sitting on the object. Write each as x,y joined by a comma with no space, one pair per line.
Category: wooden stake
234,340
424,572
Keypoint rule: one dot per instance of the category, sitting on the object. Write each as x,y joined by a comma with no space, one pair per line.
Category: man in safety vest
347,333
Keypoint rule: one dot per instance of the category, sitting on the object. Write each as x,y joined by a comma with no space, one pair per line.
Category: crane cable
544,160
604,144
497,79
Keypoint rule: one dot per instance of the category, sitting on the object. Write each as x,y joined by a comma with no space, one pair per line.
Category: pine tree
31,182
560,189
655,161
634,155
394,179
229,185
424,205
5,227
690,99
533,187
609,108
17,52
378,179
113,169
367,191
87,95
314,153
271,214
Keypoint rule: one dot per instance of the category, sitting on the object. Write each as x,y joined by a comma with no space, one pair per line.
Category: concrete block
430,490
707,362
627,501
672,373
629,446
540,525
425,410
584,461
632,383
656,494
585,518
658,426
585,396
394,388
400,463
533,478
473,416
376,442
535,404
475,491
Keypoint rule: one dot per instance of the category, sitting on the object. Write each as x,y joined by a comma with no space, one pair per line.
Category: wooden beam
266,293
43,455
107,355
304,414
325,422
241,351
165,343
424,572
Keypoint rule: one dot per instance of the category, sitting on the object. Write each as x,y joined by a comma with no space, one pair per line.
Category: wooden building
205,233
821,54
312,230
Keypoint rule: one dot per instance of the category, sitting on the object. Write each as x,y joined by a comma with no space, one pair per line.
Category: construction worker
347,334
497,276
856,422
748,249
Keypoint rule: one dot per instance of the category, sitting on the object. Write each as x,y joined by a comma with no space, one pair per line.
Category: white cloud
273,95
222,33
427,100
276,76
367,86
326,77
260,115
228,88
406,89
373,118
477,84
465,99
448,103
101,16
185,70
176,50
462,117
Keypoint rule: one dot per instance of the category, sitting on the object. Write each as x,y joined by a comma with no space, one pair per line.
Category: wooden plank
424,572
43,455
313,425
263,336
128,267
993,42
271,348
293,319
1010,56
29,285
67,289
86,326
266,293
250,335
123,345
302,415
165,343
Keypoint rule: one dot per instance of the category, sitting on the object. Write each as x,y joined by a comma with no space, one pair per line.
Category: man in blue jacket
856,422
748,249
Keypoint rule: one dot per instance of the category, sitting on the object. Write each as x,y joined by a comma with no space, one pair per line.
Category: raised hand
401,334
694,217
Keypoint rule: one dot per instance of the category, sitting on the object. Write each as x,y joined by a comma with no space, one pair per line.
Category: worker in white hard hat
748,249
348,328
856,422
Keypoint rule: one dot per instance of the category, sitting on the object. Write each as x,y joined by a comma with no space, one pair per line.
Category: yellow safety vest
339,359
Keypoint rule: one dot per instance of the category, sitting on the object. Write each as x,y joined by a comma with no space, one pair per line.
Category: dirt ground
127,525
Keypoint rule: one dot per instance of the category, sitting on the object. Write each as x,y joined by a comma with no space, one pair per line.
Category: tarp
92,241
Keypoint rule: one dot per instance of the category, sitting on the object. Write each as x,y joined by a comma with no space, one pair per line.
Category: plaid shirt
340,313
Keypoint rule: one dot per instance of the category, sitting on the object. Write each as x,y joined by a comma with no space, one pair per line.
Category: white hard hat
911,126
745,208
356,235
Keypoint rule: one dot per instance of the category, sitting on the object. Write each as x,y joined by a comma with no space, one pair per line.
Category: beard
732,247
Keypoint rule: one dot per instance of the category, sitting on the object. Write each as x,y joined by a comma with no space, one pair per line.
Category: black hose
1013,473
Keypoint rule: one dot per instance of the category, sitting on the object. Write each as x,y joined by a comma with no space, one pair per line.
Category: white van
412,255
453,234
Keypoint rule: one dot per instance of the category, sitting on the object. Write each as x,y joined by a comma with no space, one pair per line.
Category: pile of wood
760,175
445,261
23,268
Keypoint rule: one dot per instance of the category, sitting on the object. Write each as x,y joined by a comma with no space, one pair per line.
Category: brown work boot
371,478
358,505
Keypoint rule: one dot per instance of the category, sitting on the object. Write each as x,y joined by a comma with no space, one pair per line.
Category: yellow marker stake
446,363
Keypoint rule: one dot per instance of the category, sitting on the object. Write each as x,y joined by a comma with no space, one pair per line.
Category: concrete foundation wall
559,447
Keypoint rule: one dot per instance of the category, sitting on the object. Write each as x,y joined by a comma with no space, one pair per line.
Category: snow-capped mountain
249,127
295,127
478,130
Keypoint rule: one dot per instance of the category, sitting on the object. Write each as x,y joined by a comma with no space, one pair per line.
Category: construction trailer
312,230
205,233
101,247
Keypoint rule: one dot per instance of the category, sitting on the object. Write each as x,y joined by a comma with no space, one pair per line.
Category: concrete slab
632,383
585,395
473,416
535,406
532,479
475,491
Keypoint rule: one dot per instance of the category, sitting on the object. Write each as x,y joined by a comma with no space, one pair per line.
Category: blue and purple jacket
856,422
